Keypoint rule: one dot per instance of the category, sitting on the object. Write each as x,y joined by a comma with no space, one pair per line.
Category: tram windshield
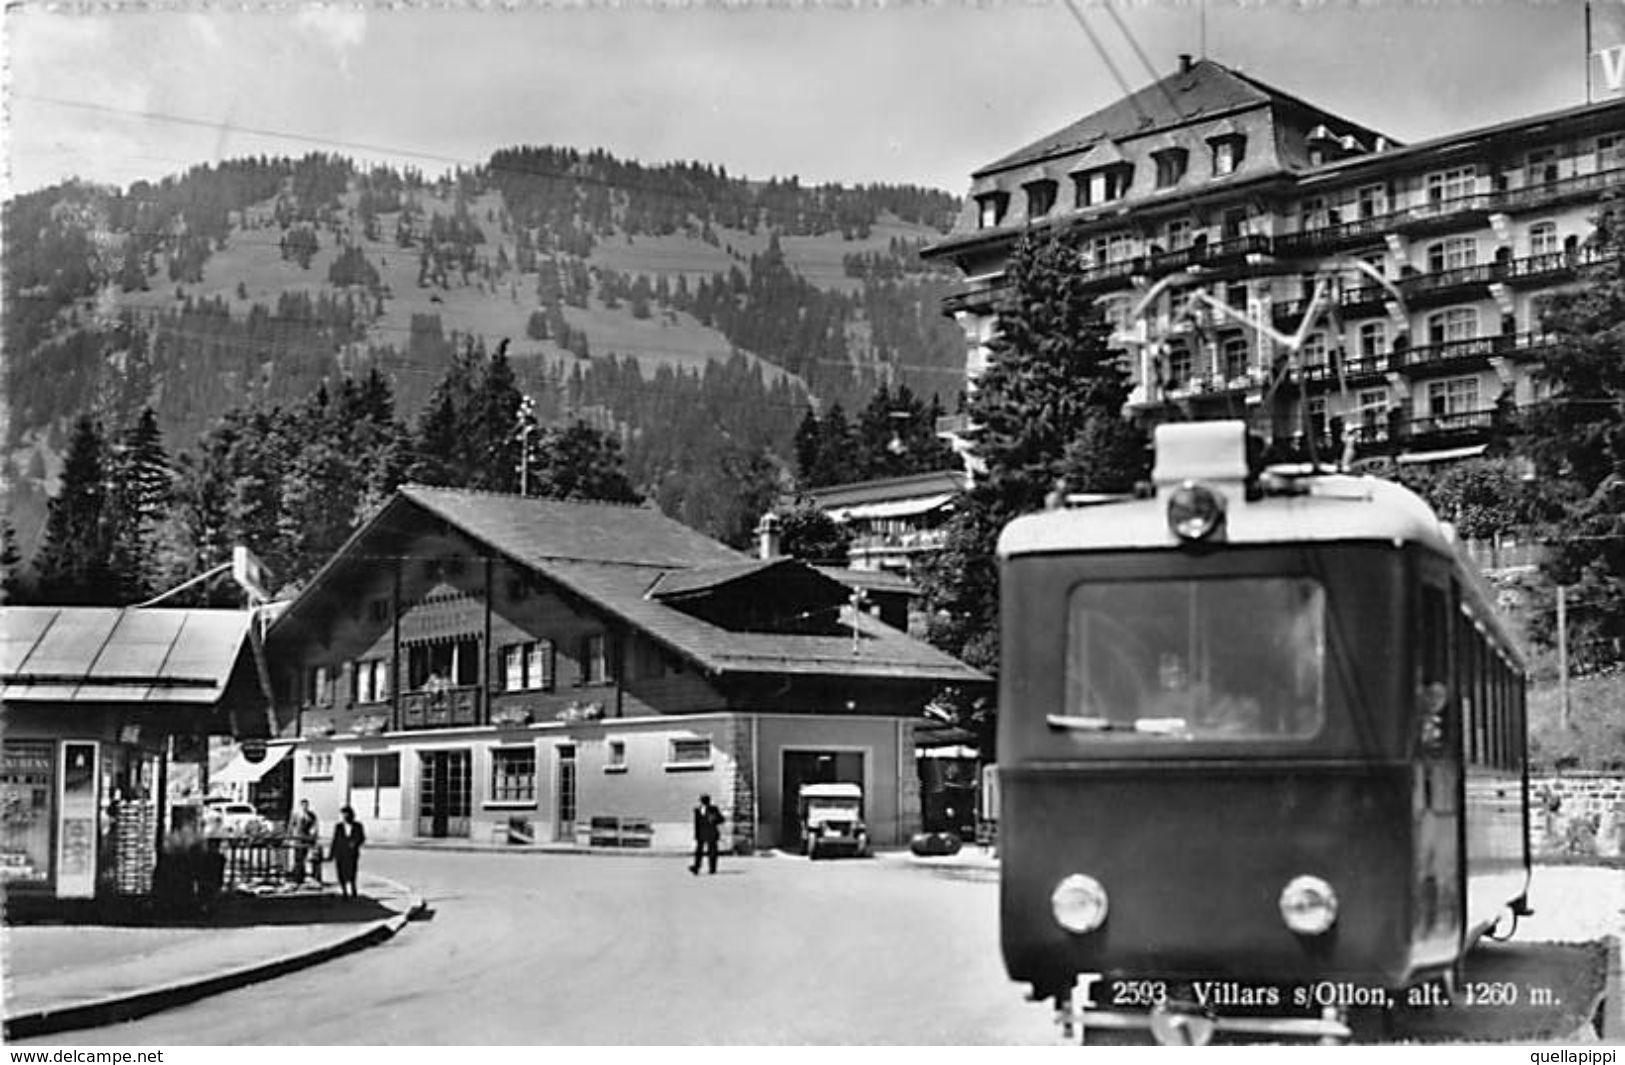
1220,659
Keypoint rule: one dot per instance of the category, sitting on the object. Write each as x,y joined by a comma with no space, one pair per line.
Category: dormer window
1040,198
1227,153
1095,187
990,208
1171,164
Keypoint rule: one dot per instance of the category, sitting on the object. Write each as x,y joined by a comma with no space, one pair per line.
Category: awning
241,771
893,508
1447,455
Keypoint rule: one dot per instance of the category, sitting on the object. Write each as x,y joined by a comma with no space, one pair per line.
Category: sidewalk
60,977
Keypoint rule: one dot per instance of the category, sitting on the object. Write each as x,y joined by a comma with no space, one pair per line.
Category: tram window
1433,670
1221,659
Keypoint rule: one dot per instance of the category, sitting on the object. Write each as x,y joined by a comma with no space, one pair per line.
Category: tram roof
1325,509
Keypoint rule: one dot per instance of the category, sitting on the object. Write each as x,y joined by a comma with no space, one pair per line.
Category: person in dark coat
305,832
348,836
707,832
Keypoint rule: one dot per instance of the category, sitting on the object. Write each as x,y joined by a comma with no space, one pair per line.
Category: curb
127,1007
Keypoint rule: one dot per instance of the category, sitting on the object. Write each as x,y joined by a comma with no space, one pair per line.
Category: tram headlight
1195,511
1079,903
1308,905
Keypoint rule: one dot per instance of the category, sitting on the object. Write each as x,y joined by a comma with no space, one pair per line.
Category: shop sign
77,818
1613,67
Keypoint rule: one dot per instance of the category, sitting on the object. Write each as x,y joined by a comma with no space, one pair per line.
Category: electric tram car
1262,756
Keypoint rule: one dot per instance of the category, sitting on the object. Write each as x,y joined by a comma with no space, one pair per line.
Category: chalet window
369,680
1171,166
1543,238
990,209
319,686
1457,323
1227,154
1040,198
379,609
528,666
689,754
594,659
370,775
454,662
1453,254
513,774
615,758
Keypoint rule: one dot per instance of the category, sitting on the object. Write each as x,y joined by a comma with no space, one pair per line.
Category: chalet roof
623,559
889,489
1205,91
60,654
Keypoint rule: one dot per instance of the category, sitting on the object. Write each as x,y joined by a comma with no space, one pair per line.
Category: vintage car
832,820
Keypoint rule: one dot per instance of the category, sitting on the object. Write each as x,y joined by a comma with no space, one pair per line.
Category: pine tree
14,584
75,562
140,488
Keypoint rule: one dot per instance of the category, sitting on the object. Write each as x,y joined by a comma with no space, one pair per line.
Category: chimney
1185,63
767,536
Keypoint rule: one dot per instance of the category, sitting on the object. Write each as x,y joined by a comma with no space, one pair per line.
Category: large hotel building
1210,198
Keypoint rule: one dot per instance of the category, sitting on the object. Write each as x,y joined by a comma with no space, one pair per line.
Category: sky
899,91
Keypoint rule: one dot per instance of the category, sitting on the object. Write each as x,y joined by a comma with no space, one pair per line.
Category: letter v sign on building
1613,67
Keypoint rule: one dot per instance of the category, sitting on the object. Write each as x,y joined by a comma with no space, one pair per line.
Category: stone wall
1577,814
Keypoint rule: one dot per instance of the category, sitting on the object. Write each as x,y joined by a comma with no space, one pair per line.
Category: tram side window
1433,669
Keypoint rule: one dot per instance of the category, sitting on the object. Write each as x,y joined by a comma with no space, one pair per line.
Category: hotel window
689,754
1103,186
1171,166
1540,166
1371,410
1610,152
1451,184
594,659
1178,234
528,666
1181,365
1377,261
1313,350
1543,238
615,759
1107,250
1458,323
1227,154
1234,352
1453,254
1040,198
990,208
319,686
1458,395
1235,296
369,681
513,774
1312,214
1373,339
1371,201
1317,416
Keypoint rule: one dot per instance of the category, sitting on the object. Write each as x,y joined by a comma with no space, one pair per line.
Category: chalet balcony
1547,193
899,543
451,708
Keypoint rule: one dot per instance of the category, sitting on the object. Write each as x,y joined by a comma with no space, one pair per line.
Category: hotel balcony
1232,252
1549,193
451,708
1422,217
1444,286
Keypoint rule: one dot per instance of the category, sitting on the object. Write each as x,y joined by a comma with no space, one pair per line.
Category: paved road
527,948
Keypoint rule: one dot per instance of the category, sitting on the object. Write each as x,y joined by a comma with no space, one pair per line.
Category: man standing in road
306,832
707,831
348,836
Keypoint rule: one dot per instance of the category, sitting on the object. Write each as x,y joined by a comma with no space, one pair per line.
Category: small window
615,758
1371,201
528,666
513,774
1373,339
380,609
689,754
1227,154
1095,187
319,686
1040,198
318,765
1171,166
